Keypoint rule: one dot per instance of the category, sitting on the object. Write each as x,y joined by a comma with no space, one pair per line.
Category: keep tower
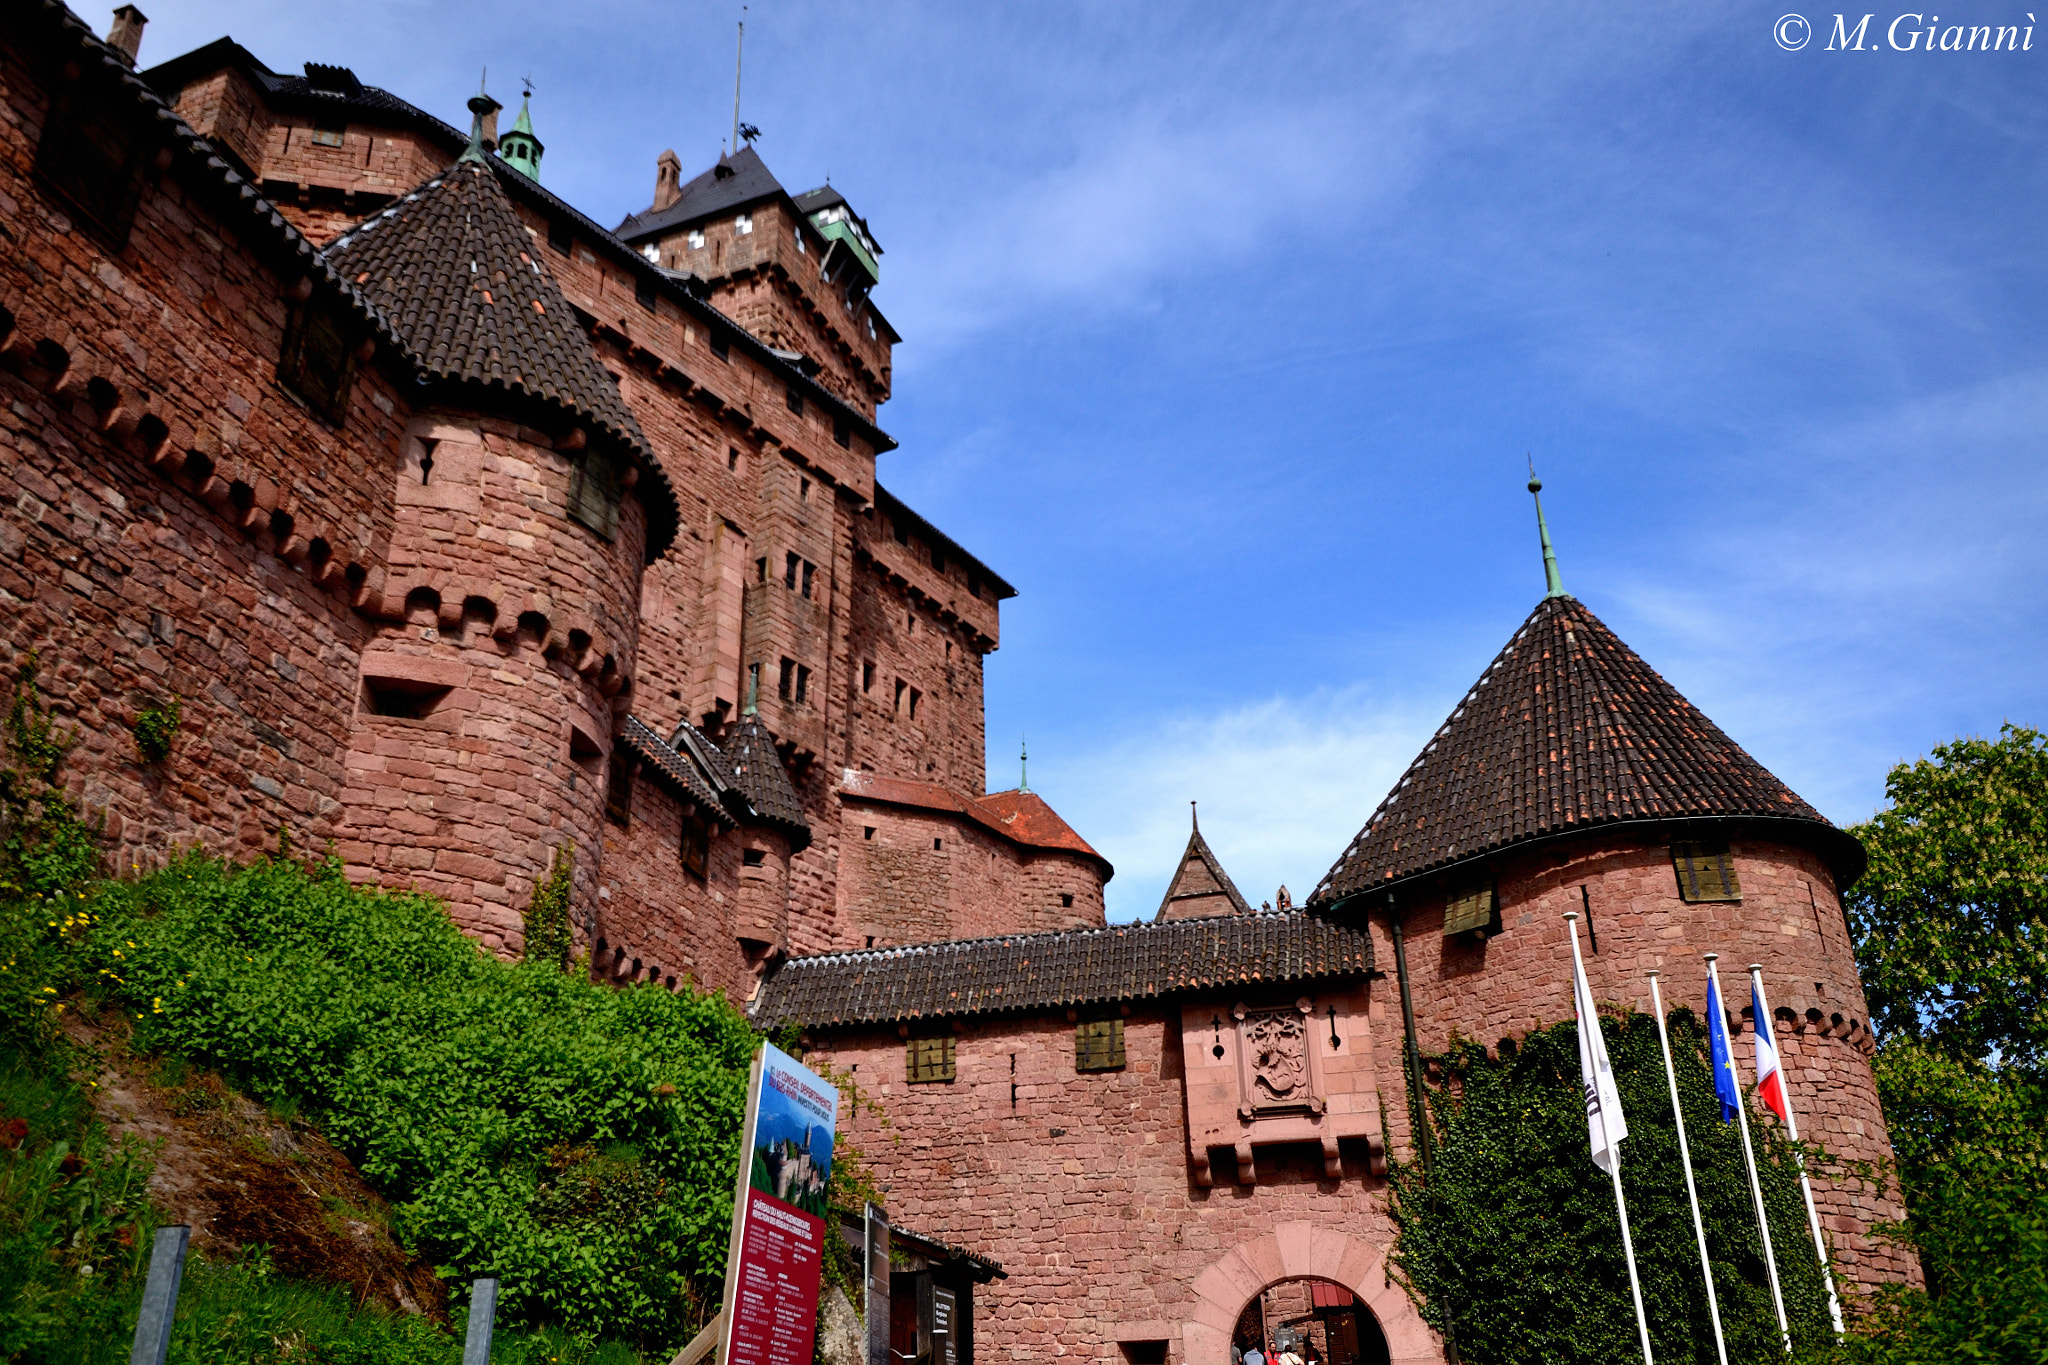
1573,776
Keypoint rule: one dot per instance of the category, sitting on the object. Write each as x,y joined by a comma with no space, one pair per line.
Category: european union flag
1726,1087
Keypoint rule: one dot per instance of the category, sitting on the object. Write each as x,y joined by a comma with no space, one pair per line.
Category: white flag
1604,1121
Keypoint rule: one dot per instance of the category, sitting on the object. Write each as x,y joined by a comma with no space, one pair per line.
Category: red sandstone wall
895,629
1080,1187
1789,920
530,620
138,581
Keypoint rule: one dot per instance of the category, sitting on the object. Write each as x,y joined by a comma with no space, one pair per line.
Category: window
643,290
803,683
88,155
329,135
803,490
974,586
721,345
901,688
867,831
560,236
800,241
929,1059
402,698
594,493
910,623
809,570
1099,1045
1066,900
1469,912
795,562
794,401
938,845
938,560
788,683
761,569
842,430
867,675
732,458
743,224
1705,872
871,327
915,697
318,363
902,529
753,857
695,848
618,791
696,239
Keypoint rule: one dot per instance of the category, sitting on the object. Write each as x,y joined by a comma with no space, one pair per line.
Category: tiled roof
1027,822
748,179
680,770
758,773
455,270
1054,970
1198,849
1567,729
1026,818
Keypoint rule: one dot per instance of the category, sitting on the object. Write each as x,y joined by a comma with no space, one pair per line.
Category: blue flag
1726,1087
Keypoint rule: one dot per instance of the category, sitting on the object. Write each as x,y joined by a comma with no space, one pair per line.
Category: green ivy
45,847
547,919
154,729
1515,1245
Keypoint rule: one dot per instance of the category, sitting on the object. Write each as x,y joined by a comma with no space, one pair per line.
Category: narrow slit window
1705,872
901,688
794,401
867,675
803,683
761,568
788,683
810,570
915,697
791,564
618,791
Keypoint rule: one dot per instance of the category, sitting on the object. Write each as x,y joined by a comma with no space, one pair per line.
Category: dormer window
743,224
696,239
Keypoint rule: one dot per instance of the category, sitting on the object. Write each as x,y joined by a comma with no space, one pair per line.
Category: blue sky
1227,329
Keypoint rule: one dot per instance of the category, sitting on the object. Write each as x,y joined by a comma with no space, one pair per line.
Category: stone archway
1293,1251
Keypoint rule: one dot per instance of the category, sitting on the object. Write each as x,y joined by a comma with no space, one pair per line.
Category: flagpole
1820,1247
1699,1228
1756,1191
1582,1000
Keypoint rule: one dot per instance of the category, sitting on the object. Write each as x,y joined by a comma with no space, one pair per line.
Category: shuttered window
1099,1045
1473,910
930,1059
317,362
1705,872
594,493
696,846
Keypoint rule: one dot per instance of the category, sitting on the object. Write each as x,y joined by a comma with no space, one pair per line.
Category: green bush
575,1140
1515,1243
547,919
155,728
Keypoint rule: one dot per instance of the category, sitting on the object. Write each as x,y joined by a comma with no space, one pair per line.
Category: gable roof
1053,970
1188,888
1566,730
746,178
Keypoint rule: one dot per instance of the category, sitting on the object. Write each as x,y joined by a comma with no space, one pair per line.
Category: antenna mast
739,51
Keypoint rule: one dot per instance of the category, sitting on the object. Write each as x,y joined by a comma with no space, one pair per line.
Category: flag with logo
1727,1088
1604,1122
1770,1080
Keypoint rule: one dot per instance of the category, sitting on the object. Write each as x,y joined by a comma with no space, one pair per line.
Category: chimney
490,116
125,37
668,176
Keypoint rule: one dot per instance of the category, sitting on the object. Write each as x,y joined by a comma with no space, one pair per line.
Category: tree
1951,920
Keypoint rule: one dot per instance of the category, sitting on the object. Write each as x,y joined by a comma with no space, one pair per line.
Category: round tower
1573,777
524,506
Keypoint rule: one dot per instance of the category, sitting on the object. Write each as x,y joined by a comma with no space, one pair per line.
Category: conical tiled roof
758,773
454,272
1567,729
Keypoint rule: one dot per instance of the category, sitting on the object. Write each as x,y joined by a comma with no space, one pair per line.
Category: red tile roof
1021,817
1567,729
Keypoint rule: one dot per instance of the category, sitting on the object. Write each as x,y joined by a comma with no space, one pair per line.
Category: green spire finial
519,148
1023,766
1553,582
753,707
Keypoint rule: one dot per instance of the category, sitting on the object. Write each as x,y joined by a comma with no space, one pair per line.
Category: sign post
775,1258
877,1245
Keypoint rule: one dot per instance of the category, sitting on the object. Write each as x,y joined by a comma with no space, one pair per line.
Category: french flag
1770,1080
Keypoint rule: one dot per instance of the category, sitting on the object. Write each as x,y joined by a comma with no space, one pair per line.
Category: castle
472,536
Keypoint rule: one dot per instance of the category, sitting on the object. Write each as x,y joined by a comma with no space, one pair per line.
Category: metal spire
1023,766
481,106
1553,582
753,707
1195,817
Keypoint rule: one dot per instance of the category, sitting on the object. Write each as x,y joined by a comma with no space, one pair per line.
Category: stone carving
1276,1046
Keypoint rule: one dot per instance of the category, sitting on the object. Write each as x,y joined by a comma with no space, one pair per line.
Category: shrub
547,920
154,729
1515,1243
574,1140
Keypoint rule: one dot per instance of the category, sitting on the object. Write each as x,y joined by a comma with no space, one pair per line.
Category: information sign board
779,1213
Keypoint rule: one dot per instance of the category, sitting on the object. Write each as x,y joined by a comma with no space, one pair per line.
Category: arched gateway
1296,1251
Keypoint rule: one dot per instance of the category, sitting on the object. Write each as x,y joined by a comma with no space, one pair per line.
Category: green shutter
930,1059
1099,1045
1705,872
1472,910
594,493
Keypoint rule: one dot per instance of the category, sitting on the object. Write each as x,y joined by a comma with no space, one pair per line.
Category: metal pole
1820,1247
483,1317
160,1296
1588,1017
1756,1191
1699,1228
